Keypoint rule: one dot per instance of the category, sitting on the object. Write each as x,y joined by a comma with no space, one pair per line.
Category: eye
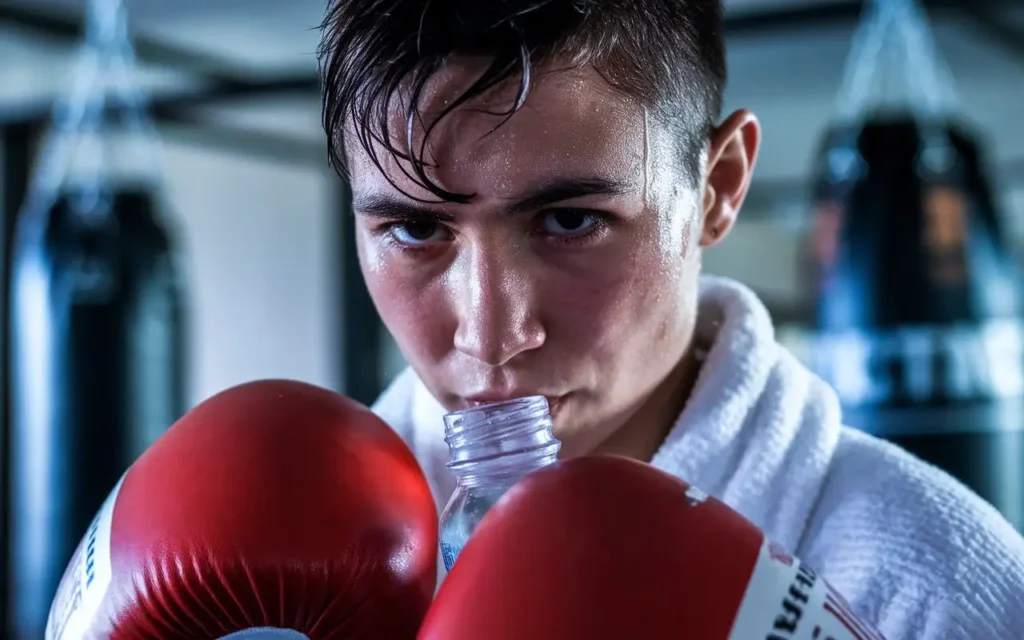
570,222
414,233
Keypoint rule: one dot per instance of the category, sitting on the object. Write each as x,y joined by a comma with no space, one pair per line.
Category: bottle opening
500,435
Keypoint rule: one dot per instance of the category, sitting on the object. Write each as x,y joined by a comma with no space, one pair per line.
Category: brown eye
569,222
417,232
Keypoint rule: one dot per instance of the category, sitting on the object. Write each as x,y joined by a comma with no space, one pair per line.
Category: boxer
534,185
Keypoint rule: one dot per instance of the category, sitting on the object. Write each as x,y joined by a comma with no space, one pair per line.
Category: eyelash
601,221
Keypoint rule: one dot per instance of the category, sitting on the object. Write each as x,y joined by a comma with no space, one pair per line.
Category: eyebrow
558,190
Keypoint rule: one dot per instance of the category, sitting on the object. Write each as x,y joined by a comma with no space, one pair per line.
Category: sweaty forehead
572,124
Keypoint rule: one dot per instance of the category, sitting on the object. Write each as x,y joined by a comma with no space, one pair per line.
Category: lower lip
553,403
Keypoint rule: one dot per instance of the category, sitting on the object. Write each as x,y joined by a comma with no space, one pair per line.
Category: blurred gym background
255,268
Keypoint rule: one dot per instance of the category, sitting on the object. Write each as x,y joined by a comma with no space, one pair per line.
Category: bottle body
492,447
466,508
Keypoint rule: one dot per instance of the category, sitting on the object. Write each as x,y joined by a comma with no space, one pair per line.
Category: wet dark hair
668,55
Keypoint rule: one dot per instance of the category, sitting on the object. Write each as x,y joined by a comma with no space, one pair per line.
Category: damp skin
590,301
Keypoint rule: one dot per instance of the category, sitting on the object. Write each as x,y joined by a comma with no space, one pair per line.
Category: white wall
260,256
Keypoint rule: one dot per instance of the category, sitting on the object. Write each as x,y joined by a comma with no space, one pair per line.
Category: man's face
572,273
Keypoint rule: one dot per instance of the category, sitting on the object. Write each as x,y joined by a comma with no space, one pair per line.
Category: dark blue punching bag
918,309
97,335
98,374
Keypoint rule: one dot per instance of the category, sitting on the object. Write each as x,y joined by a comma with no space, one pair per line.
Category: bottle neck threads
495,441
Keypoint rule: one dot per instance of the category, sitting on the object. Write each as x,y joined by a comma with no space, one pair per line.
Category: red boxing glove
275,505
607,547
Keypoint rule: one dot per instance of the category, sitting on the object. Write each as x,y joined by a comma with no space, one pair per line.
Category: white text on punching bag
920,364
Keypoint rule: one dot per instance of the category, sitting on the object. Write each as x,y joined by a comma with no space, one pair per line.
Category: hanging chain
102,86
893,53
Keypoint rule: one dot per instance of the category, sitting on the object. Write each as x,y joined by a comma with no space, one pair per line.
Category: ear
731,159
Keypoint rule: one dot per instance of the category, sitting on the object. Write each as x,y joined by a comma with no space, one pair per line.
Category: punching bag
918,310
97,340
919,313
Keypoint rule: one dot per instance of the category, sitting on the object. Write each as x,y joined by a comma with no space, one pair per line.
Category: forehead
572,123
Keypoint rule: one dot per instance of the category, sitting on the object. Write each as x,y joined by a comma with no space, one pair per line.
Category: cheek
416,314
371,255
627,299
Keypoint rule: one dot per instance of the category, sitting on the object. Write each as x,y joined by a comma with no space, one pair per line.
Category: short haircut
667,55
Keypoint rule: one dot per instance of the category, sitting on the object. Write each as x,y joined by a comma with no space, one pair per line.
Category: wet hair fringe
374,52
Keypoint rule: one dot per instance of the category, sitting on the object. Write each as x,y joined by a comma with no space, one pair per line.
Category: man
534,184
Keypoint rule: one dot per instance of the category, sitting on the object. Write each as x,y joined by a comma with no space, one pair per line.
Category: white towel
914,551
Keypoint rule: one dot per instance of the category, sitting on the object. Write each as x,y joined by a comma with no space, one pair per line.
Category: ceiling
256,57
273,35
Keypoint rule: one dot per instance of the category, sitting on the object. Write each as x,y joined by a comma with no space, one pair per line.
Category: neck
642,435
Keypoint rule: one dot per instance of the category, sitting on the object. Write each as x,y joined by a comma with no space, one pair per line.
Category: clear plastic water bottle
491,447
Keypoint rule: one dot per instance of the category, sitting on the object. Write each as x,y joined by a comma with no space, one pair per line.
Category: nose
496,316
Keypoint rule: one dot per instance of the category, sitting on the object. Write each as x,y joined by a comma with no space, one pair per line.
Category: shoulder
418,418
914,550
395,404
